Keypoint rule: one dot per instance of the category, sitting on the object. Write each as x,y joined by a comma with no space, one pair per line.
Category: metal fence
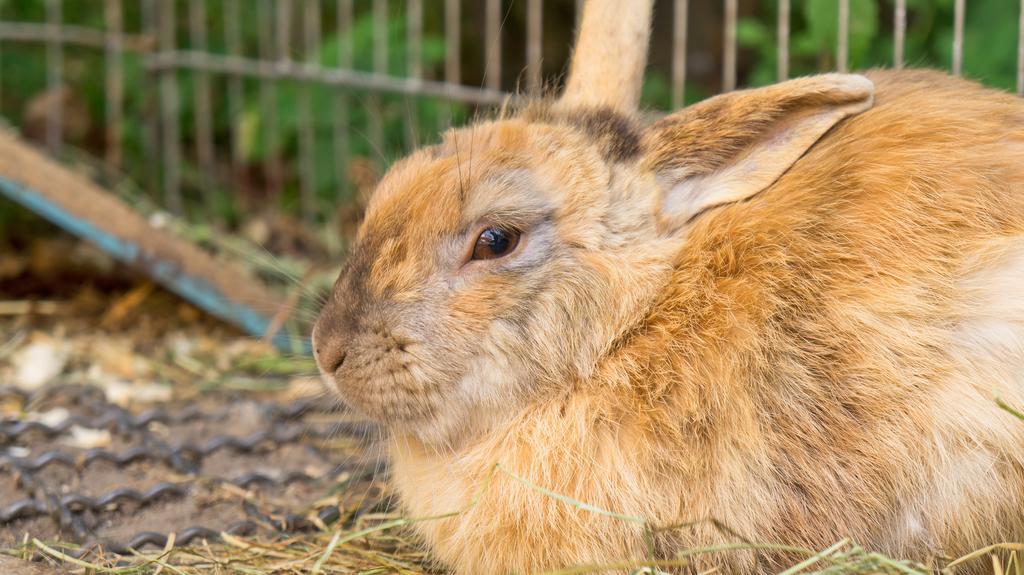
290,33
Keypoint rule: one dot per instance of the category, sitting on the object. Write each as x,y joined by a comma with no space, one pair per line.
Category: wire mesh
68,491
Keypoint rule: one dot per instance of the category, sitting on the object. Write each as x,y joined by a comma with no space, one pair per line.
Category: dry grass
383,544
388,549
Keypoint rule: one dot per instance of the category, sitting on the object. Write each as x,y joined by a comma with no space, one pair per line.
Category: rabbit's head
501,265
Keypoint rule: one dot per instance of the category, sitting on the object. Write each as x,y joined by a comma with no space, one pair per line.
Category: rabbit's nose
330,358
329,350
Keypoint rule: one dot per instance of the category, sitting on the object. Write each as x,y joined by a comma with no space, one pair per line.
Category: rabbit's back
848,330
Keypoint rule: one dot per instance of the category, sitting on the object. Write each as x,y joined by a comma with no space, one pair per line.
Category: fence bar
307,135
68,35
1020,51
679,13
414,38
375,109
114,82
782,39
899,34
202,102
268,97
218,64
453,42
1,67
843,51
54,74
151,123
534,24
729,51
958,37
283,21
236,94
453,55
342,144
346,45
169,113
283,56
492,67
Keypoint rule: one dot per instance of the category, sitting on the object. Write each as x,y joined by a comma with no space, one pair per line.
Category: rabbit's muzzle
374,368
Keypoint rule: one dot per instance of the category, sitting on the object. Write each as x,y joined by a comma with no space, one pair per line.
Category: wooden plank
76,204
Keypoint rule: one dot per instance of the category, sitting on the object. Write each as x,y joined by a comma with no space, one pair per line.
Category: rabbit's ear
731,147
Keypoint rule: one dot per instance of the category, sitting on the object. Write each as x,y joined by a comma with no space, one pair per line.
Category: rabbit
781,315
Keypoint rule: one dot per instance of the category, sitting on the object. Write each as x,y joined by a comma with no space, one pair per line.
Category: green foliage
990,54
404,121
395,113
656,92
990,37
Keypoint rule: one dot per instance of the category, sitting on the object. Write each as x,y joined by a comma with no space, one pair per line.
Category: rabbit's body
819,363
786,310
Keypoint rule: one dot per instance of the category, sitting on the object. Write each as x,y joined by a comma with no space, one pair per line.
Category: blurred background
259,127
225,111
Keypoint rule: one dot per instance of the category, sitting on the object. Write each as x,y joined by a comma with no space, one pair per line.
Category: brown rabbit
789,309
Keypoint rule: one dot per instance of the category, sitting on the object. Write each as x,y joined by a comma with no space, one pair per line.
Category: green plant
395,113
990,37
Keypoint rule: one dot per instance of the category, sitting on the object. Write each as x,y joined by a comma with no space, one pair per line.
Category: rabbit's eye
494,243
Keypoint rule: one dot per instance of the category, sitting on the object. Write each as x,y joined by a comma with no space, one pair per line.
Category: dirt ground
136,432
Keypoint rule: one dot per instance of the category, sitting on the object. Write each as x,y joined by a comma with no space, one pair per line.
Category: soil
11,491
17,566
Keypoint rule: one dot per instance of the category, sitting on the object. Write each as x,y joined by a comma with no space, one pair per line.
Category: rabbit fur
780,315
